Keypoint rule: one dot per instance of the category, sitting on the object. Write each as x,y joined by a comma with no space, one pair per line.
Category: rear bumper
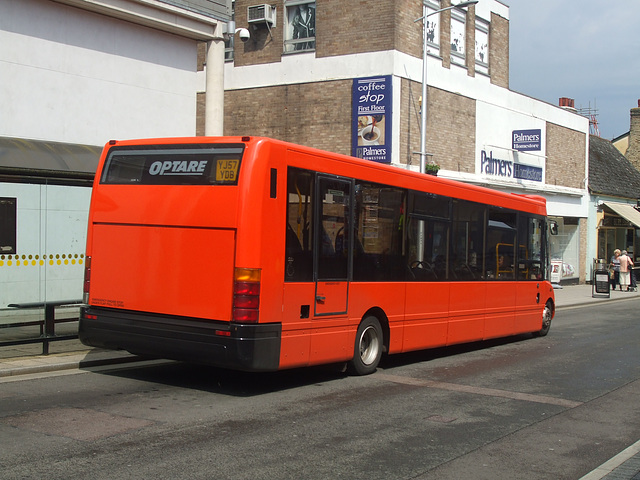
249,347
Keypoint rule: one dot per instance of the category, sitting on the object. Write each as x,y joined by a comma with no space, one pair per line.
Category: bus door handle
320,299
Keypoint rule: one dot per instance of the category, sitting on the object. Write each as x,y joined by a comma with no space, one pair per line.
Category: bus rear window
187,165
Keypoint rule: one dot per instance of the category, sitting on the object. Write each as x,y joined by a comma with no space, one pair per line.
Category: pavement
18,361
68,354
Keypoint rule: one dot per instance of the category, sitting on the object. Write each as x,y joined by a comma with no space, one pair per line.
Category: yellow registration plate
227,170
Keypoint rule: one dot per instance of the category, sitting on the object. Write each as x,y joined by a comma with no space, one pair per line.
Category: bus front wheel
368,347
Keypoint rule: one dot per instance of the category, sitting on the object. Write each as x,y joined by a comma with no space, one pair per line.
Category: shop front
516,158
618,227
565,251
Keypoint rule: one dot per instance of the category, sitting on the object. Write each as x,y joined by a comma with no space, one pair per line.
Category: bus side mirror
553,227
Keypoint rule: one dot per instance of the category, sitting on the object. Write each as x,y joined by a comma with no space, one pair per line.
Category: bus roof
364,169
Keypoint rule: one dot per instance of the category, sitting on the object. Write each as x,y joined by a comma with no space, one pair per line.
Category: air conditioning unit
264,13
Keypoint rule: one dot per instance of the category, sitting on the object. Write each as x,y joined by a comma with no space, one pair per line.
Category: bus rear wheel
547,315
368,347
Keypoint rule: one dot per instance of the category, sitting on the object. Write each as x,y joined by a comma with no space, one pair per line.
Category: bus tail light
87,279
246,295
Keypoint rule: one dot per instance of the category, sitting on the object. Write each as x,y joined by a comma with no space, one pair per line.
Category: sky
588,50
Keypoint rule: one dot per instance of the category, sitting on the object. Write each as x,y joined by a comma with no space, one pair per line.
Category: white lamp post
423,117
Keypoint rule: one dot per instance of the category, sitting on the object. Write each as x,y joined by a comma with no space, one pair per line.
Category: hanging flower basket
431,169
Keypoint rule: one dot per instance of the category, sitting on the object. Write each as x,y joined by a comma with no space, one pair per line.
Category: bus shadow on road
421,356
228,382
248,384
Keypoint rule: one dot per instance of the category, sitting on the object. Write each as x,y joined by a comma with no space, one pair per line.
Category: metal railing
47,325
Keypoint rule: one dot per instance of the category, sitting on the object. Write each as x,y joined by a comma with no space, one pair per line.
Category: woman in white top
625,270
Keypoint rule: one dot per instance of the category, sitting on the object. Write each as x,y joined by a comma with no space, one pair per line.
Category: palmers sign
526,140
490,165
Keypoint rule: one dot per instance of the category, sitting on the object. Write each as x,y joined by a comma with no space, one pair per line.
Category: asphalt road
536,408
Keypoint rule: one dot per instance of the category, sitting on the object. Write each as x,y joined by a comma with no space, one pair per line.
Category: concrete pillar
214,97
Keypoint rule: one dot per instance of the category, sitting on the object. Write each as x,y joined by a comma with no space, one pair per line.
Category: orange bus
255,254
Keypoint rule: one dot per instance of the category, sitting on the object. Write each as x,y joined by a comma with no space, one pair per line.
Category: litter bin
600,284
633,278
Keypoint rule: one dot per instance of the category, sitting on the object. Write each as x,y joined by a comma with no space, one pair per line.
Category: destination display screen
174,165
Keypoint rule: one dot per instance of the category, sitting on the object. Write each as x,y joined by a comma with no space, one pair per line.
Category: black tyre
368,347
547,315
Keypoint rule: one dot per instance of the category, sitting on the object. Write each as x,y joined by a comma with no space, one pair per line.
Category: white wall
68,75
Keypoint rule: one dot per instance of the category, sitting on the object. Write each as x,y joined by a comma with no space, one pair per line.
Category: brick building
309,71
614,184
629,143
632,152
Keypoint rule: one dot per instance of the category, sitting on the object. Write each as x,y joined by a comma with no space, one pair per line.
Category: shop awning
626,211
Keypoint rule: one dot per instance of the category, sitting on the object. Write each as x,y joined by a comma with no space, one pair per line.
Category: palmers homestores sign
505,168
526,140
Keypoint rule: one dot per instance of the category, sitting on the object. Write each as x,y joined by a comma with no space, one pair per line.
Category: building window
229,43
565,247
228,49
458,37
300,28
482,46
432,26
8,212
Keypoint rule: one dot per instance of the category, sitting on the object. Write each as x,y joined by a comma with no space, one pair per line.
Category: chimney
567,103
633,152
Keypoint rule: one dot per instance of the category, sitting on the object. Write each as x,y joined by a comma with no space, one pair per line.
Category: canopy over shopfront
619,227
626,211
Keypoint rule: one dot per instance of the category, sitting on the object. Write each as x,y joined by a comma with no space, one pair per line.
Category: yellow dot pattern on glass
57,259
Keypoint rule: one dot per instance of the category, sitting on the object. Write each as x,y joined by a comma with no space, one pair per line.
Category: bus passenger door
334,240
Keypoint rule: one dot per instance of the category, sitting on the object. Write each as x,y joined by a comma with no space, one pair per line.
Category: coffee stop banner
371,130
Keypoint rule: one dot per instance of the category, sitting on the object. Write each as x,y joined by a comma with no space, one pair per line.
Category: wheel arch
552,305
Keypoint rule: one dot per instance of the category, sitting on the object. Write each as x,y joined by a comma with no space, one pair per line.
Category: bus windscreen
188,165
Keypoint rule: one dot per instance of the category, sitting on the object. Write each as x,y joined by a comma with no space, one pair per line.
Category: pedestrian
615,269
625,270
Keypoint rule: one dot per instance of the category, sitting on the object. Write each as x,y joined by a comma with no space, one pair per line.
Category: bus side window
501,241
298,239
377,251
428,230
531,252
467,240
